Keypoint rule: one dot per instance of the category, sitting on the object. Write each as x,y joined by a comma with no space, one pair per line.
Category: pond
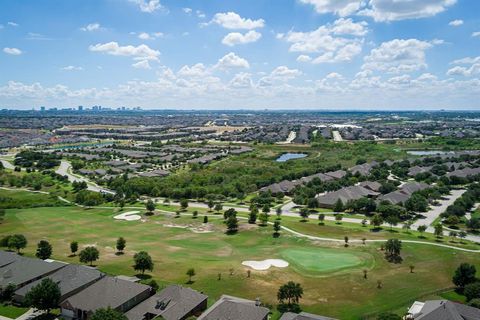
429,152
290,156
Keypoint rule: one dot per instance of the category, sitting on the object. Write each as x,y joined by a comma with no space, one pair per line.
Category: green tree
338,207
142,262
422,229
73,247
89,255
338,218
150,206
472,291
44,250
392,221
464,274
232,225
279,212
321,218
376,221
121,244
211,204
266,208
205,219
190,274
438,232
184,204
276,228
393,247
218,207
154,285
44,296
17,242
108,314
289,296
263,219
417,203
304,213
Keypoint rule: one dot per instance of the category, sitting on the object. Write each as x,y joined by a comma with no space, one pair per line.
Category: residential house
70,280
118,294
441,310
233,308
172,303
363,169
303,316
404,193
329,199
21,271
371,185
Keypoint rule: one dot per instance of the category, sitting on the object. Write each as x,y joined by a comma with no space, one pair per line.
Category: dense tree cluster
37,160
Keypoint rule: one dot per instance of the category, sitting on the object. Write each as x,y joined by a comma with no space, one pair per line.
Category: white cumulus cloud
337,42
72,68
398,55
382,10
232,20
148,6
91,27
455,23
230,61
12,51
235,38
141,52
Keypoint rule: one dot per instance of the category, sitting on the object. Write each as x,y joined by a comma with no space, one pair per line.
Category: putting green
322,260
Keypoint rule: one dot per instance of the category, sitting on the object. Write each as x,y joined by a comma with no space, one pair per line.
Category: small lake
429,152
290,156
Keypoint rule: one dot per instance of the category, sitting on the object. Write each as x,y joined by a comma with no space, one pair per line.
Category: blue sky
221,54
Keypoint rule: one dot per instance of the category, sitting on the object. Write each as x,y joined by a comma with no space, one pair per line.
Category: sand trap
128,216
266,264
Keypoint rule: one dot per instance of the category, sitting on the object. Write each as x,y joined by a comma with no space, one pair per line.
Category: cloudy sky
255,54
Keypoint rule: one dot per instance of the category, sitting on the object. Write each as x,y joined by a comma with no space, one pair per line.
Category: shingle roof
172,303
19,270
345,194
303,316
232,308
107,292
372,185
447,310
339,174
69,279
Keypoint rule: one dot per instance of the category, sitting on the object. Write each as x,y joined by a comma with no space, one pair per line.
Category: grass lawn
331,275
12,312
320,261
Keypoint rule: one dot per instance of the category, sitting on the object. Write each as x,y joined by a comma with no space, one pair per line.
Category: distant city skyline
225,54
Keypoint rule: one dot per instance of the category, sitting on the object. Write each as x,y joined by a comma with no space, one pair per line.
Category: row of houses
369,189
85,289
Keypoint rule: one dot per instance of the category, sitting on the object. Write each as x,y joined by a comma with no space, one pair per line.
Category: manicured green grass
339,292
12,312
25,199
453,296
323,260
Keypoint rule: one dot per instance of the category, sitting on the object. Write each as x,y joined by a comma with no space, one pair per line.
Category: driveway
65,170
436,211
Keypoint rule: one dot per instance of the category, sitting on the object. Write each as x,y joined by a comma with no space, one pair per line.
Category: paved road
7,164
337,136
436,211
65,170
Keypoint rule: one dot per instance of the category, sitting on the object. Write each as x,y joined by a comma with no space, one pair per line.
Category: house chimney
257,302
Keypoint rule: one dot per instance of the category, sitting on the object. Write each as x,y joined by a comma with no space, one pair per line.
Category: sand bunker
266,264
128,216
195,229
